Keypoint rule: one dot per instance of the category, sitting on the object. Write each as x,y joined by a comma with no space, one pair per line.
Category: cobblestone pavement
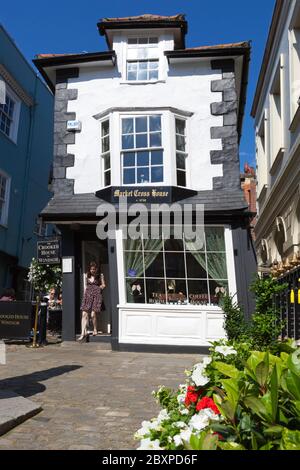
91,398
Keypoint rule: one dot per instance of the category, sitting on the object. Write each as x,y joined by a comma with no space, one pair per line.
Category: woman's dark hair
9,293
93,264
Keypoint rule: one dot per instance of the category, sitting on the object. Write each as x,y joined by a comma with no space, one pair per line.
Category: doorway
97,251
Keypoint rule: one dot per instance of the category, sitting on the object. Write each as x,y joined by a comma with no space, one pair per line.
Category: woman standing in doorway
92,299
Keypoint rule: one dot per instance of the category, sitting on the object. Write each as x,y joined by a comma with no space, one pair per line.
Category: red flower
192,396
207,402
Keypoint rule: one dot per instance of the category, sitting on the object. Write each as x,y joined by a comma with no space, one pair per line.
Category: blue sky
70,26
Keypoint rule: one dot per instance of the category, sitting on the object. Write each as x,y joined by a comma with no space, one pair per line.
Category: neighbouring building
159,122
26,143
276,110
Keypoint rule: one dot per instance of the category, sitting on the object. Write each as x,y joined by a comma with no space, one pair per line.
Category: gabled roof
145,21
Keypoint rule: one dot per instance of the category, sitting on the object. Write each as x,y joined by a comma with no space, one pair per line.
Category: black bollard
43,323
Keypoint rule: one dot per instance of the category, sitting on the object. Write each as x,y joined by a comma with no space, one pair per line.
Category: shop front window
172,271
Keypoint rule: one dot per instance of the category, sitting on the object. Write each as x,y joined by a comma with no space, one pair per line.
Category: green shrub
235,324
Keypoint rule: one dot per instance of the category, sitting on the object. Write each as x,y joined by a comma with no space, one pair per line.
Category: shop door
97,251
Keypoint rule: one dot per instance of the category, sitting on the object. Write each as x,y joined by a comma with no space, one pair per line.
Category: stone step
14,410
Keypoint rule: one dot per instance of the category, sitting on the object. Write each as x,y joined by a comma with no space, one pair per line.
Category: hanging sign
49,251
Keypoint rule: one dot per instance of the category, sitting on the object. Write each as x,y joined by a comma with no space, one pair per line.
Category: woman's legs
94,320
84,324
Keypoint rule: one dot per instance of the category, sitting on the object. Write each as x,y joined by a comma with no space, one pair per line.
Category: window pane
141,141
127,142
180,161
127,126
180,126
107,162
105,128
180,143
132,66
153,40
105,144
196,265
129,176
215,240
143,40
181,179
141,124
132,40
153,74
153,64
142,158
142,75
155,263
155,123
129,159
198,292
135,291
132,245
155,140
175,265
216,265
176,291
107,178
156,293
157,174
217,289
143,65
132,76
143,175
173,244
156,157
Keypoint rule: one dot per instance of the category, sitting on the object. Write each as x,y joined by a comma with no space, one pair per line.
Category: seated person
8,295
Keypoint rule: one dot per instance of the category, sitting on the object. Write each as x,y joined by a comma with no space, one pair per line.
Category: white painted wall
184,86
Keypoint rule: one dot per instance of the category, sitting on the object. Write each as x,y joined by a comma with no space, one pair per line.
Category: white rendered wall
187,87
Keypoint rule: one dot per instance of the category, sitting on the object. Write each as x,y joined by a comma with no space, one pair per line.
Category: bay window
176,271
105,152
142,152
181,155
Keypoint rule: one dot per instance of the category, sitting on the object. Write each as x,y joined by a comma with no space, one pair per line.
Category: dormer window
142,59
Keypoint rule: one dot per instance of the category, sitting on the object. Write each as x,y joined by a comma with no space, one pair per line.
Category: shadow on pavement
28,385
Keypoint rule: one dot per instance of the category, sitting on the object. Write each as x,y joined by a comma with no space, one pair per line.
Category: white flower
199,421
197,375
206,360
163,416
181,398
147,444
225,350
177,440
146,428
179,425
185,435
210,414
184,411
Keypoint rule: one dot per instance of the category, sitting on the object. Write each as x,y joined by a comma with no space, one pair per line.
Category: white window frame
39,226
127,59
294,63
186,153
276,119
149,149
109,152
13,134
4,213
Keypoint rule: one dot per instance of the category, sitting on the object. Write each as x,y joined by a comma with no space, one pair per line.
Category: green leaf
293,384
274,393
256,358
268,446
231,446
274,430
290,440
232,390
227,410
293,363
227,369
256,406
262,372
210,442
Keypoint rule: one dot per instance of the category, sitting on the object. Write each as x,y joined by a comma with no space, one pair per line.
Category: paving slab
14,410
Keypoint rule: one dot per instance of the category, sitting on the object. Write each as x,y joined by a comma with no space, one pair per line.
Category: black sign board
15,320
49,251
145,194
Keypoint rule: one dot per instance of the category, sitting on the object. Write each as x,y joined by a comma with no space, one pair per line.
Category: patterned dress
92,298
